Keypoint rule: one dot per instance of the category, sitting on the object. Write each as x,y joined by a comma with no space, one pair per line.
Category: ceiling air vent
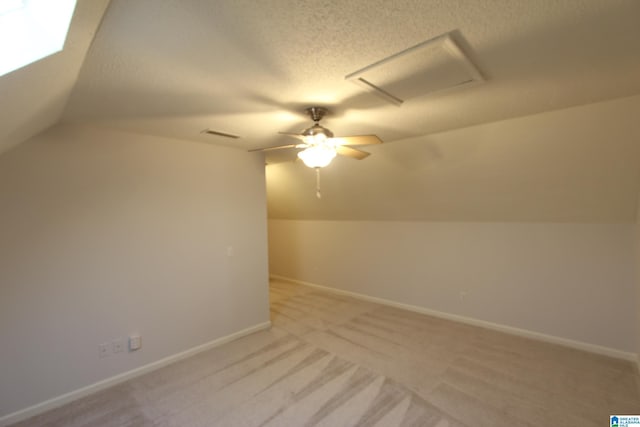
428,67
223,134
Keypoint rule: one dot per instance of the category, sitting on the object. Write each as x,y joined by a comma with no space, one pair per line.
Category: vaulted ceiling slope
174,68
34,97
580,164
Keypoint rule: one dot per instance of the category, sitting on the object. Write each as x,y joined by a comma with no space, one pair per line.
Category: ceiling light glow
317,156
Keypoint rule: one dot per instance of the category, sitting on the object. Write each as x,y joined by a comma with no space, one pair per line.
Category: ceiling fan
319,144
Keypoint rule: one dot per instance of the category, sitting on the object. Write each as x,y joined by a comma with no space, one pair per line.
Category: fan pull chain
318,194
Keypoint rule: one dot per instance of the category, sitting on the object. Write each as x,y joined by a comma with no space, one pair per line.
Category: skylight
31,30
9,5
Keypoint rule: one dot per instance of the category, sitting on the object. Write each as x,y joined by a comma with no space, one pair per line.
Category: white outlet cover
117,346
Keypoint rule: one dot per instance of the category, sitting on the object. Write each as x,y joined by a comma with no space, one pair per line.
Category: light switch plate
135,342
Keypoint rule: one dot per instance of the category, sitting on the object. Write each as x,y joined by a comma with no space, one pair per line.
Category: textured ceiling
174,68
34,97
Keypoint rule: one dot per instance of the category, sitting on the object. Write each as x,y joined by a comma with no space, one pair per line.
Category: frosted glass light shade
317,156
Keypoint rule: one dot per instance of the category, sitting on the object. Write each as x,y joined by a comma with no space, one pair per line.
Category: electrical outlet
135,342
463,295
103,350
117,346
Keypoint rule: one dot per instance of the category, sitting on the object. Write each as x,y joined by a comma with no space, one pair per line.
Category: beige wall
105,234
532,216
573,281
578,165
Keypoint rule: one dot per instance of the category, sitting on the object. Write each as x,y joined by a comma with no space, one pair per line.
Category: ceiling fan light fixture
317,139
319,144
316,134
317,156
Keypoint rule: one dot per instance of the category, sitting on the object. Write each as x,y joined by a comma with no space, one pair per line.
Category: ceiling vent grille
217,133
431,66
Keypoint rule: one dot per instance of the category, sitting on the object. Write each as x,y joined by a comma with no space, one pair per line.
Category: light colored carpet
331,360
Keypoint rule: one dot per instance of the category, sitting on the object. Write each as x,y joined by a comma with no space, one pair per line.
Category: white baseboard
57,401
592,348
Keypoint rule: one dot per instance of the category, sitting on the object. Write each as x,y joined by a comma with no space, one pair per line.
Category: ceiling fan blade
278,147
295,135
357,140
351,152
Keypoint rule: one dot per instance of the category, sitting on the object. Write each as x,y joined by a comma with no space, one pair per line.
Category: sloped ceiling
34,97
581,164
249,68
175,68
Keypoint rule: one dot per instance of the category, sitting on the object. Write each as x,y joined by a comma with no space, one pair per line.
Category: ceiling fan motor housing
315,132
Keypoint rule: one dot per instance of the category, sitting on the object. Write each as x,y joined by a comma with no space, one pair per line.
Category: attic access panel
434,65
